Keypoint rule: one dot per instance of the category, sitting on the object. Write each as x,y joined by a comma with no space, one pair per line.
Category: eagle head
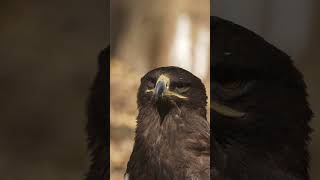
260,110
171,87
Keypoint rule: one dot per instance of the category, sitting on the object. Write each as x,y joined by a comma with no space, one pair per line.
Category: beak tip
159,90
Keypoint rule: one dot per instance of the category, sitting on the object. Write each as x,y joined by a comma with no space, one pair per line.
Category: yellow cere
164,79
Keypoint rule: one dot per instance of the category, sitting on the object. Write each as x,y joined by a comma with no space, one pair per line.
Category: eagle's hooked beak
226,111
160,88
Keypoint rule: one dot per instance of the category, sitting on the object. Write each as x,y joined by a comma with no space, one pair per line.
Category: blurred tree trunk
147,38
142,38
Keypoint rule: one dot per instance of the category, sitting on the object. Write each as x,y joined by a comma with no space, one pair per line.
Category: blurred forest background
294,27
144,35
48,61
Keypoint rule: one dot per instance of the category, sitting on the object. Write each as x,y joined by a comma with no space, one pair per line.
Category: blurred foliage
124,85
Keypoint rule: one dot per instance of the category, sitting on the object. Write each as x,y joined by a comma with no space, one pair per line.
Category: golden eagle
172,139
259,109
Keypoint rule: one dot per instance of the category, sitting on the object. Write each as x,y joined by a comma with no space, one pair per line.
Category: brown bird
172,139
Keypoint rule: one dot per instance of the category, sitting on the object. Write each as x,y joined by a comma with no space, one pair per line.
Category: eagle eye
150,84
180,87
234,88
232,85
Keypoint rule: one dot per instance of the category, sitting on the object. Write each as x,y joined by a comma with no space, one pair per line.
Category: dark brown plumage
98,122
172,137
260,111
